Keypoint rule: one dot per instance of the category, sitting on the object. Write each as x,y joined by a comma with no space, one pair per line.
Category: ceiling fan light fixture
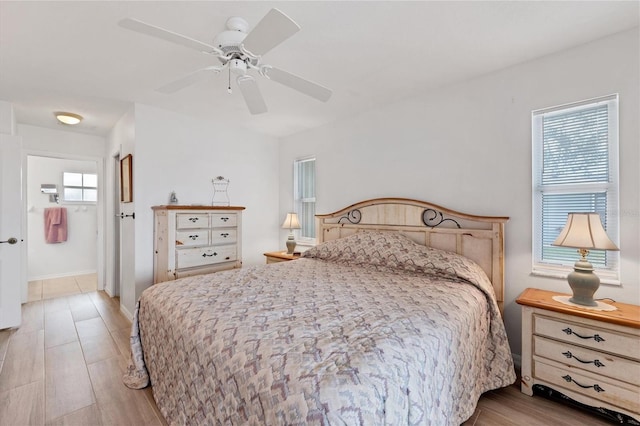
238,66
68,118
239,51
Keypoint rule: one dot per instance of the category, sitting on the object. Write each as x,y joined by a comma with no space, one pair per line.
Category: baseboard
126,313
63,275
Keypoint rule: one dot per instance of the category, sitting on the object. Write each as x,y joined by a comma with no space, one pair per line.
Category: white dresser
585,357
192,240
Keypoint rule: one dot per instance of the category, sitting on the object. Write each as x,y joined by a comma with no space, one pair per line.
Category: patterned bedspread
371,329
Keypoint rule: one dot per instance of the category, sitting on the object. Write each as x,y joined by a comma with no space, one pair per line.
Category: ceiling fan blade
153,31
251,94
272,30
307,87
187,80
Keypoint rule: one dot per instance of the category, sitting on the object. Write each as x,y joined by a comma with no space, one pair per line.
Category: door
10,231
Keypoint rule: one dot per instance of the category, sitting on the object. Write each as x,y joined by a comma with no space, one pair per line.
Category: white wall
468,147
7,118
77,255
41,140
120,241
173,152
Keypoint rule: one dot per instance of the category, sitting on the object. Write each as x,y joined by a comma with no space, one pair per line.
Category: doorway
68,245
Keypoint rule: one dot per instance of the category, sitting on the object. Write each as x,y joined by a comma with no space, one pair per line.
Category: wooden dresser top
194,207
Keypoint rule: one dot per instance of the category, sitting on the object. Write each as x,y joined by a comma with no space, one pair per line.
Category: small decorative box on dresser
192,240
589,358
280,256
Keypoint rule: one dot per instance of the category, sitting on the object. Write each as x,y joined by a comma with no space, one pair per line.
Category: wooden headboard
480,238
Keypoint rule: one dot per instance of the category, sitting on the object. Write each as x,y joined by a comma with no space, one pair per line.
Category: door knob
10,241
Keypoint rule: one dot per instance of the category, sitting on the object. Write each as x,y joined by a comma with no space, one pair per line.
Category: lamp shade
291,221
584,231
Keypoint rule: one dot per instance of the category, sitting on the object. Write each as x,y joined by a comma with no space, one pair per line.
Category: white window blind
304,190
575,169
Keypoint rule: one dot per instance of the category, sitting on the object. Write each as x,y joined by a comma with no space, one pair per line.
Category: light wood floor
64,366
510,407
64,286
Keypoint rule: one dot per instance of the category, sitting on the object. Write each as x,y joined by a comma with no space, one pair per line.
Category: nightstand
585,357
280,256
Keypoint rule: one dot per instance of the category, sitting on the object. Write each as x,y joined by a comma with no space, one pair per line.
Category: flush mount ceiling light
68,118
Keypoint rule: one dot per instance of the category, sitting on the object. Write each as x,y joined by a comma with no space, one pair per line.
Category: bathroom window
80,187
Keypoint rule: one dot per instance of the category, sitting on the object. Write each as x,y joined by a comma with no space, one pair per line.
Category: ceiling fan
239,52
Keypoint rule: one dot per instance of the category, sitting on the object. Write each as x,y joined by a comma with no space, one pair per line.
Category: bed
393,318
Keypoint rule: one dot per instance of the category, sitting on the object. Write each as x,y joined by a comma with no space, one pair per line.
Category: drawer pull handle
224,235
596,362
595,337
595,387
193,237
209,255
224,219
227,258
194,219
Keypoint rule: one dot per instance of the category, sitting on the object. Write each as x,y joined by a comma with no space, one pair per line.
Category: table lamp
584,231
291,222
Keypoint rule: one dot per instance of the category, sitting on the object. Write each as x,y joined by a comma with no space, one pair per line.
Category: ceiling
72,56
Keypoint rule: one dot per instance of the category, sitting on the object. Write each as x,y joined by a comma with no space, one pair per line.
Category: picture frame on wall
126,179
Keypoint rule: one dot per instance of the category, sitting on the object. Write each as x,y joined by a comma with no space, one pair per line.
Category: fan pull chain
229,91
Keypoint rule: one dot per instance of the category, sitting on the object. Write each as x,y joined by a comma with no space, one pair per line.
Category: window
304,198
80,187
575,169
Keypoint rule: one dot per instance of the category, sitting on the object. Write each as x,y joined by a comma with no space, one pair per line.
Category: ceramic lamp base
584,283
291,245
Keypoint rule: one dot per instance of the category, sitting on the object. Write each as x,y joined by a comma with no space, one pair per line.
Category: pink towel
55,225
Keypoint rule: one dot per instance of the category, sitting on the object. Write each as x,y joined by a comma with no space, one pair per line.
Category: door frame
100,210
115,236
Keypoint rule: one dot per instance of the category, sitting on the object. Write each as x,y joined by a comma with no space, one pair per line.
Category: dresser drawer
223,236
223,219
199,256
194,237
192,220
601,339
587,359
624,396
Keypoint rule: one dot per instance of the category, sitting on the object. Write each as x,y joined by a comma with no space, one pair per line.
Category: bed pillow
366,247
395,251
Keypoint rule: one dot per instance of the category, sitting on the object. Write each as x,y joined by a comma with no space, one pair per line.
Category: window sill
562,275
304,245
79,203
